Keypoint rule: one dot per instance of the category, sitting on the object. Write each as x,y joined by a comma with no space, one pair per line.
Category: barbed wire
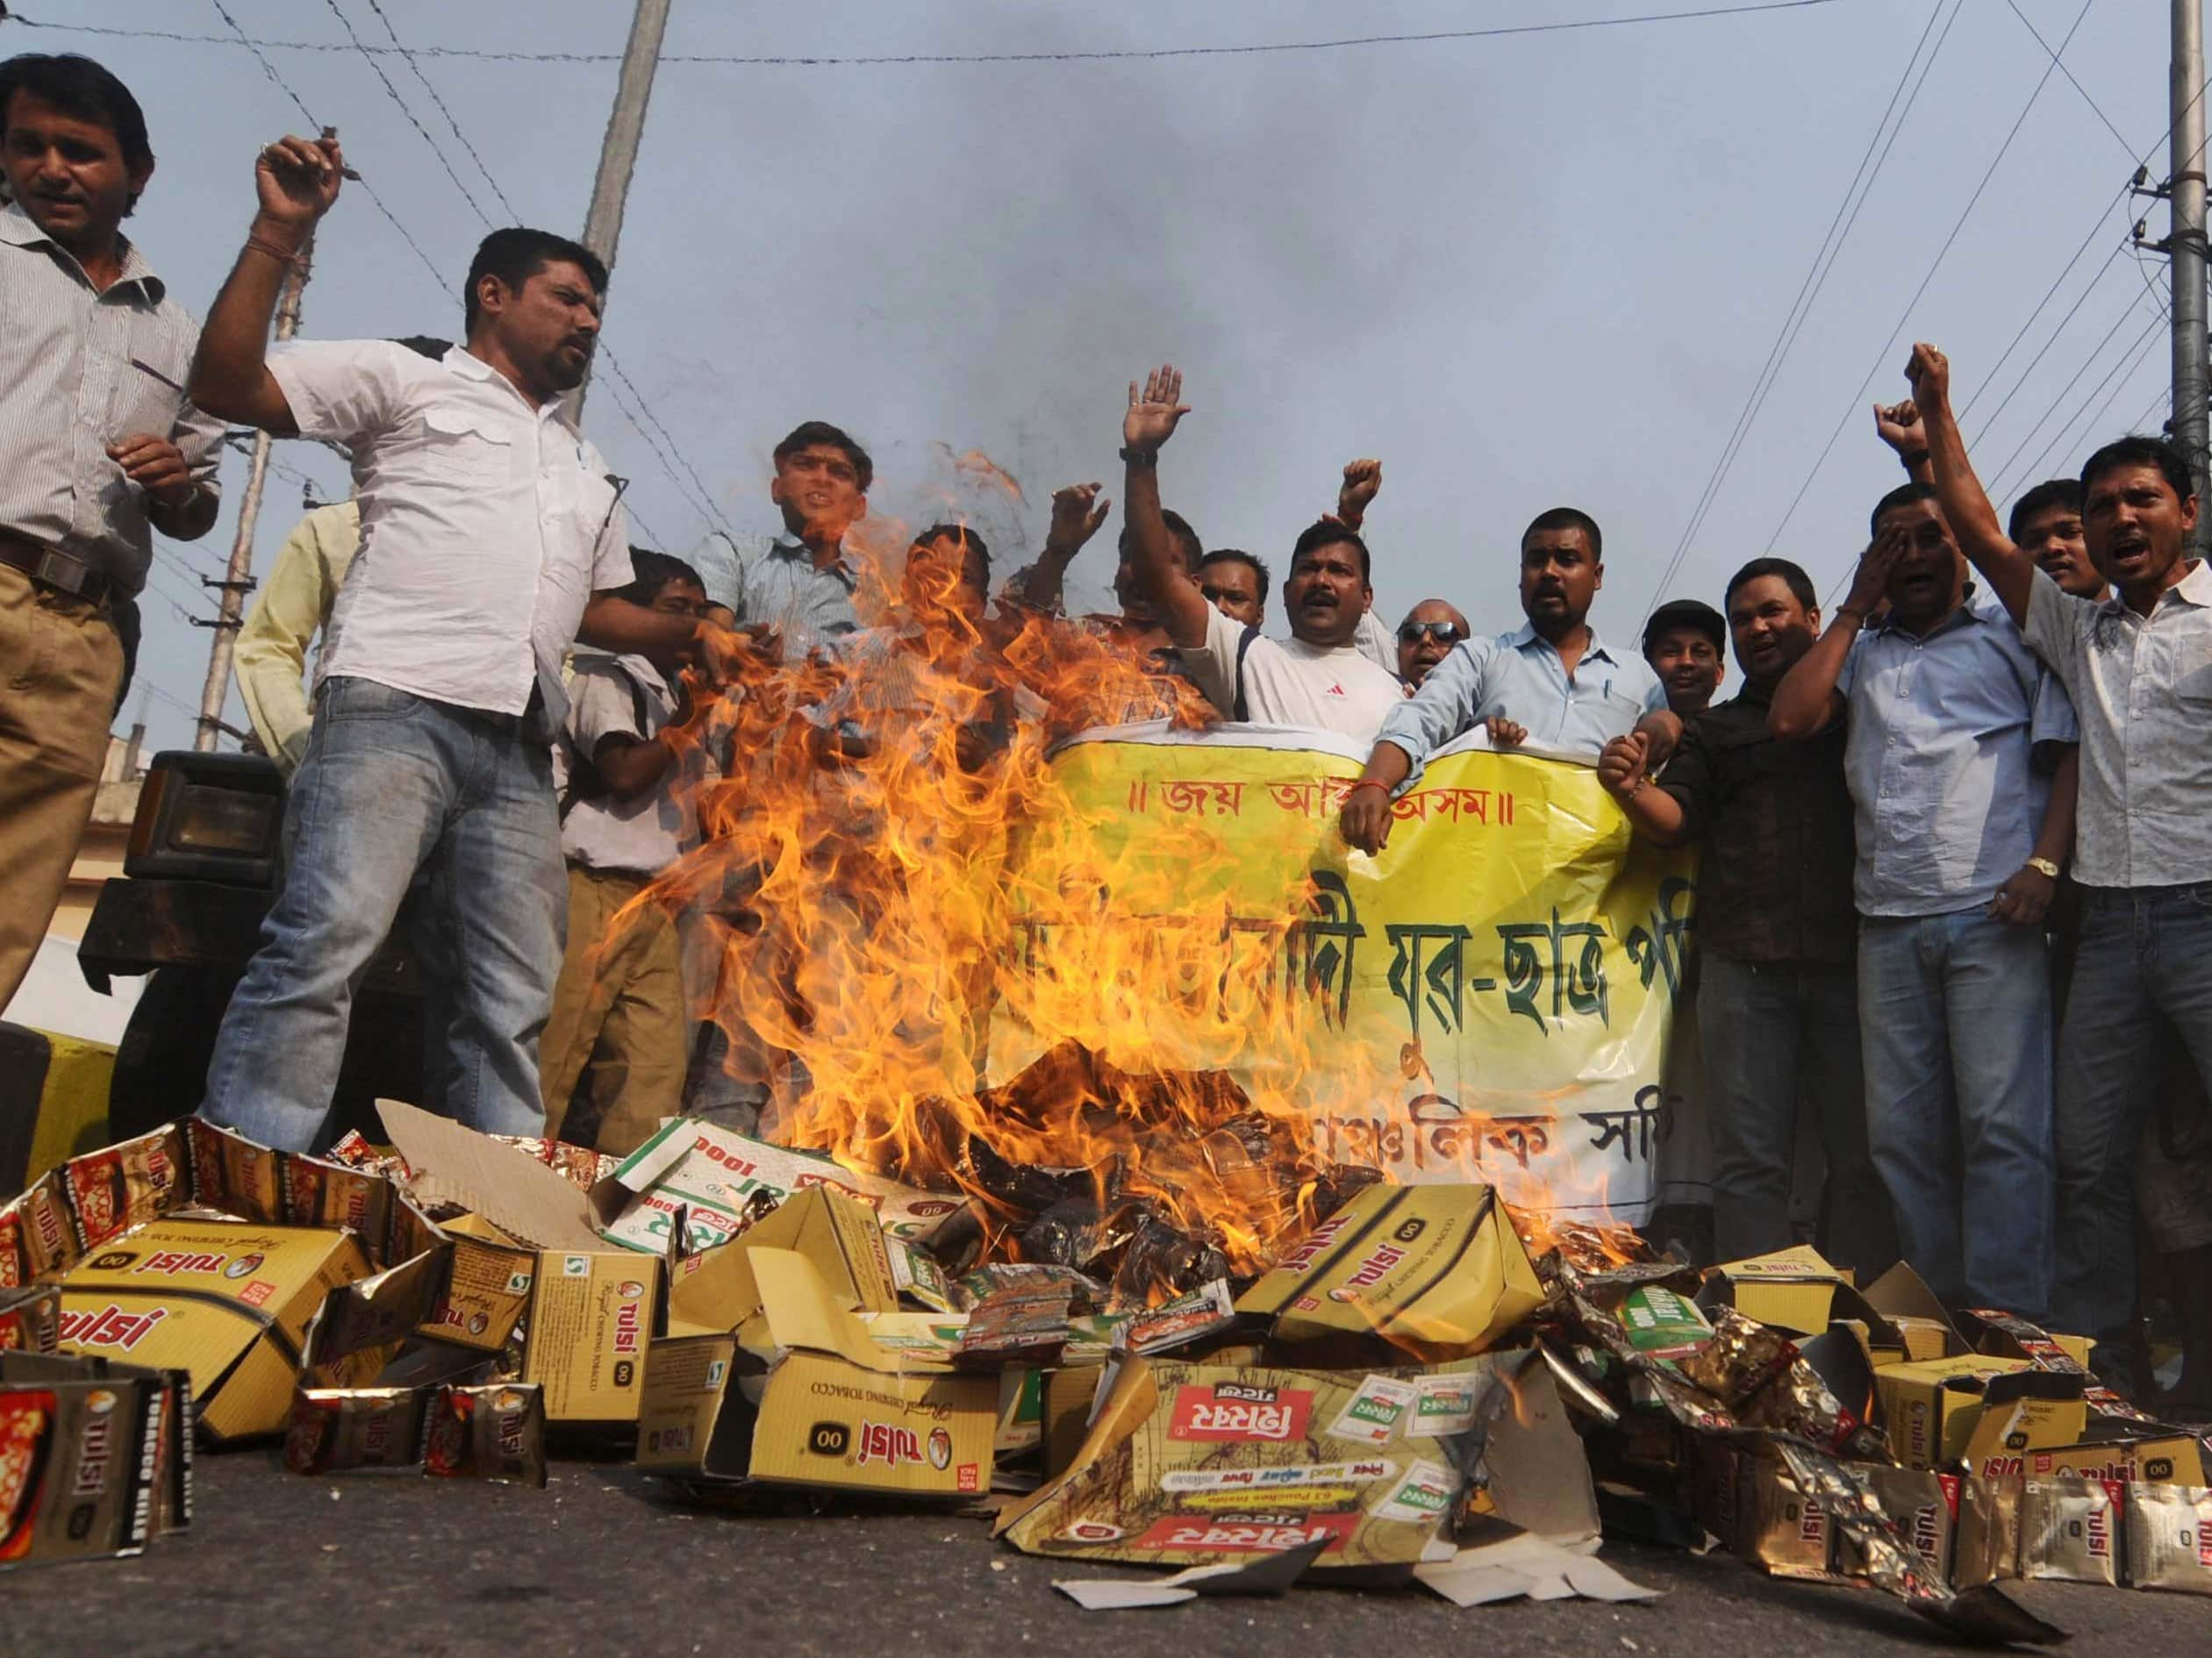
1435,37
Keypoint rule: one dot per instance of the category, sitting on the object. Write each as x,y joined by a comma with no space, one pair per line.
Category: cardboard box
486,1291
708,1173
714,1291
226,1302
593,1317
810,1399
592,1309
2023,1412
1434,1271
1202,1464
1795,1291
1932,1406
2170,1458
89,1458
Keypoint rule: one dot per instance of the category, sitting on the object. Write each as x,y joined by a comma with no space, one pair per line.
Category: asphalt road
600,1562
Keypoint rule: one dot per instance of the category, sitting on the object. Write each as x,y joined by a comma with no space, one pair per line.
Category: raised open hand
1154,408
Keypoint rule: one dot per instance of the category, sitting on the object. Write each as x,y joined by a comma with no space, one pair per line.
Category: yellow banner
1490,998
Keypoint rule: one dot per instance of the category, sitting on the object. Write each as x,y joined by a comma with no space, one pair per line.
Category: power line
705,503
300,104
1807,292
2003,470
811,60
2063,70
2081,298
1942,253
427,86
346,24
2125,366
2005,356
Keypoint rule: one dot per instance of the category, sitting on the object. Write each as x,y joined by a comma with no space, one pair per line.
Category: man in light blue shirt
1960,762
797,585
1552,683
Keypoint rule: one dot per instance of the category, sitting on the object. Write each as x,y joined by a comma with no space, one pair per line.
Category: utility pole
2186,246
618,152
238,576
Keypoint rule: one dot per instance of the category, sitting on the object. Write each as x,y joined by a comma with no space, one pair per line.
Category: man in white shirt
1317,677
492,538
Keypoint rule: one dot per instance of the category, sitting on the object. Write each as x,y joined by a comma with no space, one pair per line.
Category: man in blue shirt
1551,682
798,586
1955,732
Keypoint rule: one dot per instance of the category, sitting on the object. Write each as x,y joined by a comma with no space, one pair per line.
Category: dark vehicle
198,876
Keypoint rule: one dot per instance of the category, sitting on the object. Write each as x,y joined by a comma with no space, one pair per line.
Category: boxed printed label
811,1398
1796,1291
1434,1271
592,1317
708,1173
2020,1413
1193,1464
226,1302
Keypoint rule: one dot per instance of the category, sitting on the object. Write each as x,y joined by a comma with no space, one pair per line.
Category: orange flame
879,866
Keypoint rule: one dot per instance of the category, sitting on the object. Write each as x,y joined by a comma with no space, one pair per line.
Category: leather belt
51,566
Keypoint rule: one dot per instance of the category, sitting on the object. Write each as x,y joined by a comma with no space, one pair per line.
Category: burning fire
949,972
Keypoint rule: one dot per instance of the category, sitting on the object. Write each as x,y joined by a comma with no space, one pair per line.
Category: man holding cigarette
492,537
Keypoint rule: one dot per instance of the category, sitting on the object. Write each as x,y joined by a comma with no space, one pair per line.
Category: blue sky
1525,271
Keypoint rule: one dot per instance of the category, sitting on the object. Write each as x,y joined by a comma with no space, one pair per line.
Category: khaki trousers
60,665
612,1058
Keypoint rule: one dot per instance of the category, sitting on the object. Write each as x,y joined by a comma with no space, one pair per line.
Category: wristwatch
2044,867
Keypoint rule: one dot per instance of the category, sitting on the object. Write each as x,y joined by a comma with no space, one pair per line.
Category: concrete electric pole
618,153
2186,246
237,578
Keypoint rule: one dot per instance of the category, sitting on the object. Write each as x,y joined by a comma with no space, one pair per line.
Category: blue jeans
1773,1033
394,785
1956,1015
2146,952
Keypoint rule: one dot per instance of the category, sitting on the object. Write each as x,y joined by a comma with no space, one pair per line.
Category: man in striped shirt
98,447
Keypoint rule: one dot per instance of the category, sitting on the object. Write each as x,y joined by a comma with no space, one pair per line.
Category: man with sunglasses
1426,637
492,539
